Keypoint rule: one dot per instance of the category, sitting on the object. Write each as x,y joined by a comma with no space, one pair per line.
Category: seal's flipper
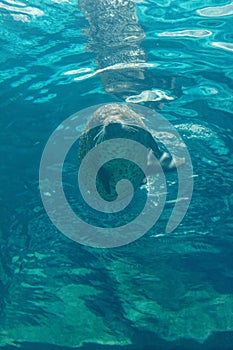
166,161
169,163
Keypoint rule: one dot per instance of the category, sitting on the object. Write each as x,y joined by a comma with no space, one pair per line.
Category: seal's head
116,121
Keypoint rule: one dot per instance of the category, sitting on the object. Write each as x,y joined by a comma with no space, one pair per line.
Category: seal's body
116,121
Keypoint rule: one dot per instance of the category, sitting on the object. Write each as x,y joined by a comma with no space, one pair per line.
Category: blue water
162,291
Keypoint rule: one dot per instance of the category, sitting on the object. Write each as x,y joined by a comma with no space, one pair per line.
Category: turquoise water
162,291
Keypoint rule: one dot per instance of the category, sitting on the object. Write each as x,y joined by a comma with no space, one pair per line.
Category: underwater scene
116,227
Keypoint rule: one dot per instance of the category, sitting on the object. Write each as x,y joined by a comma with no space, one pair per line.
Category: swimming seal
112,121
115,36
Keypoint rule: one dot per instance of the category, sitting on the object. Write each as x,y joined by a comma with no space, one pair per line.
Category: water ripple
23,9
196,33
222,45
118,66
149,96
49,51
216,11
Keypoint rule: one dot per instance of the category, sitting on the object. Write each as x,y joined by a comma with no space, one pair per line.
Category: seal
112,121
115,36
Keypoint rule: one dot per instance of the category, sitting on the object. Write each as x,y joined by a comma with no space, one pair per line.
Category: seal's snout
113,129
114,124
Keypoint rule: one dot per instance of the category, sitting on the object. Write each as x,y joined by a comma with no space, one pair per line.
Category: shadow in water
144,341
